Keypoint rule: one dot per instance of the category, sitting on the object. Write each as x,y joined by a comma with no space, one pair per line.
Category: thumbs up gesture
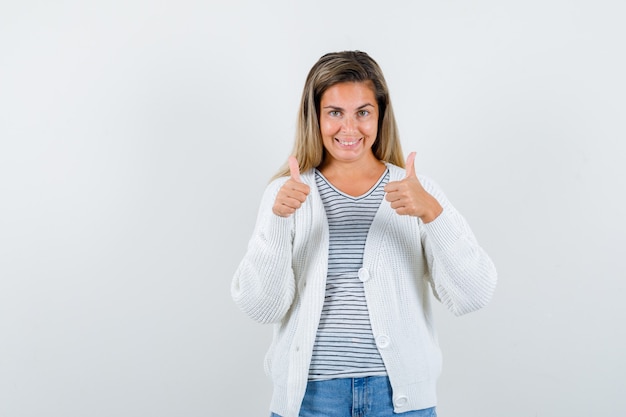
293,192
408,197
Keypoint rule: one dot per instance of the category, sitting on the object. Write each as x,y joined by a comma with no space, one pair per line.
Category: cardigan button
383,341
401,401
364,275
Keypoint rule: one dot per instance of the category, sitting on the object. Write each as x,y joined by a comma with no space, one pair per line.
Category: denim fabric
353,397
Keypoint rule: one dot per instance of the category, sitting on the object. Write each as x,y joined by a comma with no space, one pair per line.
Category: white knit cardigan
282,278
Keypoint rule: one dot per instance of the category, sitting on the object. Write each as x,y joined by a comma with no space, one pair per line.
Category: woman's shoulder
272,187
307,177
397,173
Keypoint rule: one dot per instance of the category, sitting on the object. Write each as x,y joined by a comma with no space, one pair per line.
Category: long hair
334,68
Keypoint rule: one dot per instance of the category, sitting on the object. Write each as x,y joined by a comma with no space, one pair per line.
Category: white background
136,138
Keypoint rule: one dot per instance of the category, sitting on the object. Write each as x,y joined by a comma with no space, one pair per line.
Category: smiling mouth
348,143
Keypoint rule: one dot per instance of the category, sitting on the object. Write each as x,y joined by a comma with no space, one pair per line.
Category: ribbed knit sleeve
462,274
263,285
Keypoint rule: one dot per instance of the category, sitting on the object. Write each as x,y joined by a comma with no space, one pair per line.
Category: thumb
294,169
410,165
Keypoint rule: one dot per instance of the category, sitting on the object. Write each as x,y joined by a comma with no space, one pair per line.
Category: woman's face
348,121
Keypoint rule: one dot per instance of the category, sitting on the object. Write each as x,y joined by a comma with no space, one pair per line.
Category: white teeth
348,143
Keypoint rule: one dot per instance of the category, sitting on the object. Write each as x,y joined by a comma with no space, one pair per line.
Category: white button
382,341
364,274
401,401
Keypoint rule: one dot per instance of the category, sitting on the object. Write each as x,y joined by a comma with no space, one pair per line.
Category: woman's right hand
292,194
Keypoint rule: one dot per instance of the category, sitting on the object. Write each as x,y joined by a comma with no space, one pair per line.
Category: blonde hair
331,69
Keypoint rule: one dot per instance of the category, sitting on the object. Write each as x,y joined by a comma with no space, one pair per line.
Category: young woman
348,246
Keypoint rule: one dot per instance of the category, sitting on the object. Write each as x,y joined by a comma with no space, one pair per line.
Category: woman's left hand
408,197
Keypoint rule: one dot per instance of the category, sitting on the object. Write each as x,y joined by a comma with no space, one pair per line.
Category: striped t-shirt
344,345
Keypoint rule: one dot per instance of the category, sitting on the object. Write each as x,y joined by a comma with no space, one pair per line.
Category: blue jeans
353,397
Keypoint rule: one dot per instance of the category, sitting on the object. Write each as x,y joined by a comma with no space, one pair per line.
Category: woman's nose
348,125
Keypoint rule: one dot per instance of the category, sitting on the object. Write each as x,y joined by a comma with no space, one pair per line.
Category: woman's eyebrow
330,106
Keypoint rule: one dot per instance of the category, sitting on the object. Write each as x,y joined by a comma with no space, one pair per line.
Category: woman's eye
334,113
363,113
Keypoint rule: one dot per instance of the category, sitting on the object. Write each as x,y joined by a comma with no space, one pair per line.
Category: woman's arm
263,285
462,275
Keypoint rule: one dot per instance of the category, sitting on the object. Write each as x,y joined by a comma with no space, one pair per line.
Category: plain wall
136,138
